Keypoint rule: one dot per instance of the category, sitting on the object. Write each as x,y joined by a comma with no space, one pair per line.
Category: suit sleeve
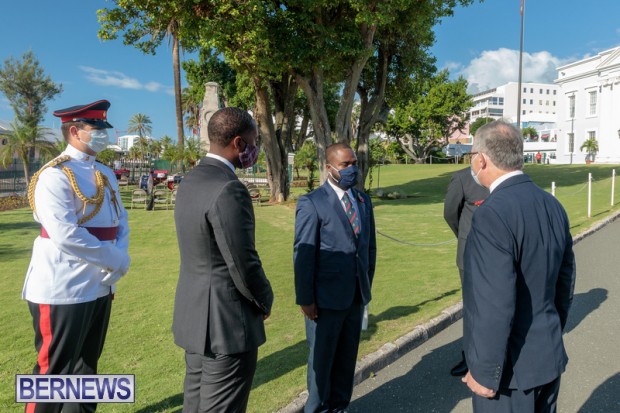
232,218
565,285
453,204
489,296
305,250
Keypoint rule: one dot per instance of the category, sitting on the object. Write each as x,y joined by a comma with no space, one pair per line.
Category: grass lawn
412,285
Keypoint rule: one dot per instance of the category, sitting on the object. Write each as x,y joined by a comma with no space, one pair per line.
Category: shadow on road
584,304
605,397
427,387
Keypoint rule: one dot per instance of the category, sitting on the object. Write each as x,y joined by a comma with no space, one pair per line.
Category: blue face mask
348,177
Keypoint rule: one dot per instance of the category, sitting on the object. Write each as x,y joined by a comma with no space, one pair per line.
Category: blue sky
480,42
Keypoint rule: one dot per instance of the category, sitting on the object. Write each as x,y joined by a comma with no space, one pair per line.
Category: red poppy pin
478,203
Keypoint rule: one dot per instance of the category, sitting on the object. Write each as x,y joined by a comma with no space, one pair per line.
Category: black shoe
460,369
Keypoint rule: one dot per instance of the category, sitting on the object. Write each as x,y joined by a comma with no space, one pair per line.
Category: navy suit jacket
518,287
329,260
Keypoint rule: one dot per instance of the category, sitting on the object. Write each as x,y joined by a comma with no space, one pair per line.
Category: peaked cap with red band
94,114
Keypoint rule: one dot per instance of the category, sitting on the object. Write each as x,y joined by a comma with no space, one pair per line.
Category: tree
590,145
475,125
193,151
306,157
436,108
140,124
23,140
530,133
145,25
27,88
106,156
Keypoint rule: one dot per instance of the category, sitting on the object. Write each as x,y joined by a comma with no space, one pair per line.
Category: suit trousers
540,399
218,383
333,339
69,339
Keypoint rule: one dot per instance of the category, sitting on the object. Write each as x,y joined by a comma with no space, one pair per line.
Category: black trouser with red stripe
69,340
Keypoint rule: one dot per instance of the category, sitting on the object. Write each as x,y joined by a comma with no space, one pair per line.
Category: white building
125,142
590,107
539,103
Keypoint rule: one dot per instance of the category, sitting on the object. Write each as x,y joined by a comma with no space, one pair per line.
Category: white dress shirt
340,193
502,178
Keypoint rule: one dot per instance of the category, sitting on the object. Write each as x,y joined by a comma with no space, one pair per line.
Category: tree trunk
343,118
284,93
277,171
369,115
303,132
313,88
176,68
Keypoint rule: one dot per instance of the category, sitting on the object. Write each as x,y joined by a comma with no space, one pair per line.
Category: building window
571,106
546,103
524,90
531,101
540,102
524,101
524,112
555,92
541,91
501,101
547,91
571,142
592,110
531,90
554,103
591,134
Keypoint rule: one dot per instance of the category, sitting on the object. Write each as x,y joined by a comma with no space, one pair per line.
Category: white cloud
497,67
118,79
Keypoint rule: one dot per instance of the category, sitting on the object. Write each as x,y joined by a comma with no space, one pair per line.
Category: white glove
112,277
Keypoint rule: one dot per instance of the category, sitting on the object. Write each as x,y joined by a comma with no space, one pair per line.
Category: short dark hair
64,128
227,123
333,148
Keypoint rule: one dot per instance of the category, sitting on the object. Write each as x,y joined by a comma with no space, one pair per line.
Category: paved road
420,381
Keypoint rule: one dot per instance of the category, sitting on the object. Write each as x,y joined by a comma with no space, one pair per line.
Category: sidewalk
420,381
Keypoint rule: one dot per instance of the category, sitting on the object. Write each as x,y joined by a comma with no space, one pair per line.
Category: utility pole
520,65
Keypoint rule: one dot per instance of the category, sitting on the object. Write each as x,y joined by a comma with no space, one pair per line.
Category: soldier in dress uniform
80,253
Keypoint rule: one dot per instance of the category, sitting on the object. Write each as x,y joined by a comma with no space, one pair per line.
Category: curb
390,352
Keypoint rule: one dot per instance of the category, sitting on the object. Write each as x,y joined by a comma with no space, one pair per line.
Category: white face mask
99,140
475,175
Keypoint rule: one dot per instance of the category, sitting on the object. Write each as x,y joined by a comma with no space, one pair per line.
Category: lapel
336,205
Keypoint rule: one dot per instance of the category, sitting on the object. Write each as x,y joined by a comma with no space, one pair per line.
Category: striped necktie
351,214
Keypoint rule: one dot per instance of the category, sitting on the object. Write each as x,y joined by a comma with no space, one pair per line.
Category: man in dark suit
222,295
464,196
518,283
334,260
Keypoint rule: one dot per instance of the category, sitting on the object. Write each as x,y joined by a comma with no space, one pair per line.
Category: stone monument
210,104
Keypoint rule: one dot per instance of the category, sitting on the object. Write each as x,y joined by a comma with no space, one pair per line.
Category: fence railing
12,179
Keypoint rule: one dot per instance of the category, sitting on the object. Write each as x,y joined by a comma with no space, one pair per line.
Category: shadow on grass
280,363
433,190
167,404
394,313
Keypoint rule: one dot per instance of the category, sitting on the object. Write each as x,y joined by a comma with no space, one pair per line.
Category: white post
589,194
553,188
613,185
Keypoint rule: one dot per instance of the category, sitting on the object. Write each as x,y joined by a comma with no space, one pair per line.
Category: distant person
80,253
518,283
464,196
223,295
538,157
334,260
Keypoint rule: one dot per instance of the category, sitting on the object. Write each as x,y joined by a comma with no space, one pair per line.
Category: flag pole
520,65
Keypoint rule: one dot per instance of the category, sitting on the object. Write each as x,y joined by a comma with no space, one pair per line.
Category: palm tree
191,111
24,140
140,124
193,150
591,147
